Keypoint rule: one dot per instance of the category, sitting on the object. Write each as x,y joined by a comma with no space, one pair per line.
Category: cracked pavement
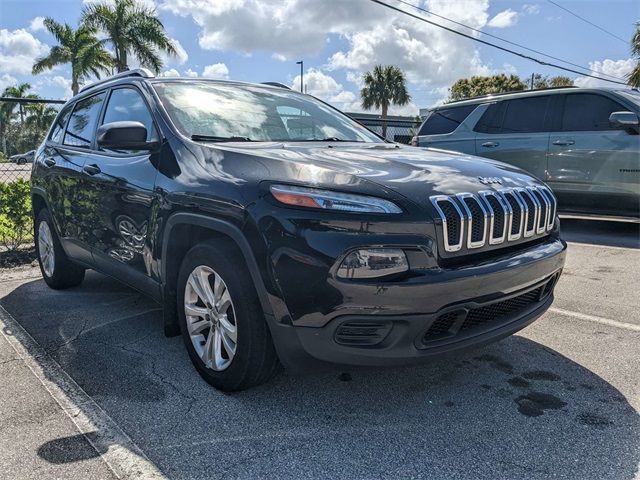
560,399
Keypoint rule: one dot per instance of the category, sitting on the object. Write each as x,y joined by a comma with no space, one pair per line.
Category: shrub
16,226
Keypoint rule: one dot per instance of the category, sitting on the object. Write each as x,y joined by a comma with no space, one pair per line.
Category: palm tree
17,91
384,86
131,29
40,115
81,48
634,77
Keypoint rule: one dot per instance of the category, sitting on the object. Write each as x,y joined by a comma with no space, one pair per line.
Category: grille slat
495,217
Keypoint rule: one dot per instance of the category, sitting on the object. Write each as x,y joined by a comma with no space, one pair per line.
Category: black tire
65,273
255,360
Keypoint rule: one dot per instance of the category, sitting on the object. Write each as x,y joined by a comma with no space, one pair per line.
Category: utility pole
532,77
301,63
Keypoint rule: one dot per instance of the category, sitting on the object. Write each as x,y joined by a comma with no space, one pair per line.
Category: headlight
329,200
373,262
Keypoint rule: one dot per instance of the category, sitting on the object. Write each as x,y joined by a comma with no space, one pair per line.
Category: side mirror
626,120
124,136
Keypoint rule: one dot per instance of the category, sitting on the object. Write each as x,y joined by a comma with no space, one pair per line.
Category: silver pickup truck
583,143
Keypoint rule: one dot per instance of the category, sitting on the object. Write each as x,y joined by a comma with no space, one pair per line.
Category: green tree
383,87
17,91
477,86
634,77
540,81
81,48
131,29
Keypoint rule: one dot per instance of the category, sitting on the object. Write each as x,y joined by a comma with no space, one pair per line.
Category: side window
525,115
491,120
81,127
445,120
126,104
58,126
588,112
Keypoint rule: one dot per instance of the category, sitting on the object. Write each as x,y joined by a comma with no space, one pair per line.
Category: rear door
593,165
123,183
447,128
516,131
72,204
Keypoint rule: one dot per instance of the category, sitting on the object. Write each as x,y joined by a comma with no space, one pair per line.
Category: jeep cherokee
275,230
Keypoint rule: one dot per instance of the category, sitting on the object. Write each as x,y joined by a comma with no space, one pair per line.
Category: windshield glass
253,113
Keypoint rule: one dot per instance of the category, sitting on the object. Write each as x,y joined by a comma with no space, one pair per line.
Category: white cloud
172,72
7,81
180,58
504,19
19,50
37,24
57,86
531,9
217,70
616,68
369,34
191,73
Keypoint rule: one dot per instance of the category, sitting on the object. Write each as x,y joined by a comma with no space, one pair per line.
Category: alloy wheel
211,320
45,248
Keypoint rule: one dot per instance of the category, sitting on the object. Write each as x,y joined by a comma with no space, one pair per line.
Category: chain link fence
399,129
23,125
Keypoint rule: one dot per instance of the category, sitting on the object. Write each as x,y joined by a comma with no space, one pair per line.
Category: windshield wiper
211,138
327,139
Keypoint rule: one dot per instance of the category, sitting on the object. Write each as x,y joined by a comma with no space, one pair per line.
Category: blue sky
259,40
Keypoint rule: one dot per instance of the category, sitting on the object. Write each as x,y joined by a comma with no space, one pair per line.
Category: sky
339,40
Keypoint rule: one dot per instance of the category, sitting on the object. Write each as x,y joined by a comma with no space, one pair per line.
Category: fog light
373,262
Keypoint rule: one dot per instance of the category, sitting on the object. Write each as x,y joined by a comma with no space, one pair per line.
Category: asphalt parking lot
92,389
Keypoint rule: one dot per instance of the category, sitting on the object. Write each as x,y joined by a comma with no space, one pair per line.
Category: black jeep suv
274,229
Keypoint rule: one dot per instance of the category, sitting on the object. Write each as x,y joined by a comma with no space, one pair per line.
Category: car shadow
596,232
516,409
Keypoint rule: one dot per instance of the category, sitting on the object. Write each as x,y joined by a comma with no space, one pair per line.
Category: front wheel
57,270
221,320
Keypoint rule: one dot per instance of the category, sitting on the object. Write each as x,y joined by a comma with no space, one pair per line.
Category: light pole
301,63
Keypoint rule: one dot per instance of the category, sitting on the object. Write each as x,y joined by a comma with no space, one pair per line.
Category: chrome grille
494,217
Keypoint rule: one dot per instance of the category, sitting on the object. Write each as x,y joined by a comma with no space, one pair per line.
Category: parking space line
593,318
121,455
608,247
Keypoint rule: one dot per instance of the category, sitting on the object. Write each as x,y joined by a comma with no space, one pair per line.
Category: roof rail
490,95
138,72
276,84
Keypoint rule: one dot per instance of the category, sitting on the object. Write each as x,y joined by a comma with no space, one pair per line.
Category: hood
415,173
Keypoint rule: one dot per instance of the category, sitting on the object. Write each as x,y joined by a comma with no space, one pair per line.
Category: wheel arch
185,230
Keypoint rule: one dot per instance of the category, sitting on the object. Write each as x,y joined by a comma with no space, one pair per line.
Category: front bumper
409,310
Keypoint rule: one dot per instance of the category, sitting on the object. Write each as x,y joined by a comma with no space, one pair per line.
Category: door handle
49,162
490,144
564,143
92,169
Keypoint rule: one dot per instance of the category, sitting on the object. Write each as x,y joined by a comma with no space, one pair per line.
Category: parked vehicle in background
272,226
23,158
583,143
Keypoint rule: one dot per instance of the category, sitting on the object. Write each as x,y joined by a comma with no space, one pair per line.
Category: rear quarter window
445,120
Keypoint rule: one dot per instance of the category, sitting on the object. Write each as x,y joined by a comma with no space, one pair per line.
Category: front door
594,167
516,132
123,182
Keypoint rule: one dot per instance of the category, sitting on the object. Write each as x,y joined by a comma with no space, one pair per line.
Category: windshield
226,112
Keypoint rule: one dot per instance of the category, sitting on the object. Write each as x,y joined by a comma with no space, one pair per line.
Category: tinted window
445,120
586,111
491,120
83,121
525,115
58,127
126,104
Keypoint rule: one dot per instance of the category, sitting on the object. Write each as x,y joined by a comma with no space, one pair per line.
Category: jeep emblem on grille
490,180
